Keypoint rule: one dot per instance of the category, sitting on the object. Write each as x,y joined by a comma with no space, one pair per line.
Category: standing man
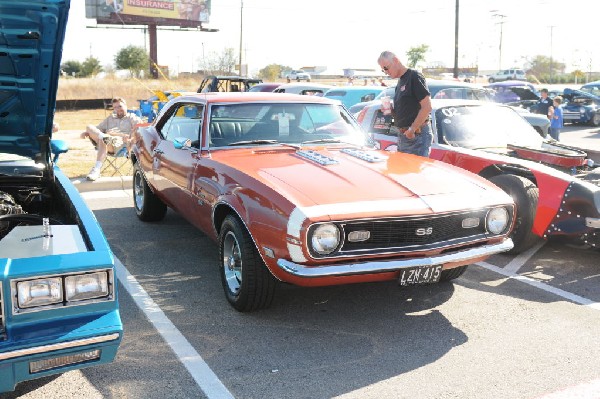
411,106
541,107
112,134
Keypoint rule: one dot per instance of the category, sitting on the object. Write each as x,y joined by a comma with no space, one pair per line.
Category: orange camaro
293,190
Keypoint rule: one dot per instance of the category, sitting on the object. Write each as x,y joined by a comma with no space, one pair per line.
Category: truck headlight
40,292
80,287
497,220
325,238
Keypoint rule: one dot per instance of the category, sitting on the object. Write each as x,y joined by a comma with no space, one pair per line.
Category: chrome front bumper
340,270
54,347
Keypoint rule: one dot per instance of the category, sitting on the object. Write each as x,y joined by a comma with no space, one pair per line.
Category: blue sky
351,34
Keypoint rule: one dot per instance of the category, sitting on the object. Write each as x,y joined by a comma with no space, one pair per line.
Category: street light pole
501,23
241,30
551,57
456,41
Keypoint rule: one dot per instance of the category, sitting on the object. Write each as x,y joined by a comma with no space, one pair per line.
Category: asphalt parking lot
511,327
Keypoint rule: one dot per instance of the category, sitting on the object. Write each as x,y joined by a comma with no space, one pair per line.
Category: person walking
411,106
556,118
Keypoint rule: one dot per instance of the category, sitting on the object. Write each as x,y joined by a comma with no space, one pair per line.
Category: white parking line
519,260
542,286
206,379
587,390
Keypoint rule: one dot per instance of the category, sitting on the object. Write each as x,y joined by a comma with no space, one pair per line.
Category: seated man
111,135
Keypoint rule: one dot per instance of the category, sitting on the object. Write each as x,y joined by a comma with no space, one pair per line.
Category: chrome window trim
16,311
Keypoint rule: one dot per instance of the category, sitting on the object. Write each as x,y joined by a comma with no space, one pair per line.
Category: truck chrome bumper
339,270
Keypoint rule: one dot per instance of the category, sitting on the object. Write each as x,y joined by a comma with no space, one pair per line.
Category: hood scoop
316,157
364,155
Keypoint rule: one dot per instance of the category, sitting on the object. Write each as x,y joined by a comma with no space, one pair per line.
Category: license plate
420,275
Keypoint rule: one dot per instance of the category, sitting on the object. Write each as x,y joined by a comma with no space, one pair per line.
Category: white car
298,75
507,74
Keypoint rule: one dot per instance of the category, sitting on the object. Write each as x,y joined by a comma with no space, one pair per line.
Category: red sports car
556,188
293,190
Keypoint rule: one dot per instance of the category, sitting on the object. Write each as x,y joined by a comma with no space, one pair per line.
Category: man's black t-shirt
541,107
411,89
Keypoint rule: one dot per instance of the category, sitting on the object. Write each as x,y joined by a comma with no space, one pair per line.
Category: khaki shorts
115,141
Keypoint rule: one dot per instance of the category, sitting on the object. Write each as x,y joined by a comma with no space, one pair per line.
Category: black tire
247,282
595,121
491,80
148,207
526,195
452,274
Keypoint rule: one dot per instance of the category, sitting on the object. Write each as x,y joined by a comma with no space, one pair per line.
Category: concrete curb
103,184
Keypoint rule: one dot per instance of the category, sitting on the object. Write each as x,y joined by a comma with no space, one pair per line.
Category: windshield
282,123
485,126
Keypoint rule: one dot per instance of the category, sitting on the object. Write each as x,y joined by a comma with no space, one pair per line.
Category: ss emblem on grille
424,231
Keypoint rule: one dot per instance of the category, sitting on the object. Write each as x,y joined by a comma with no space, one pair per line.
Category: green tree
133,58
544,67
91,67
71,68
416,54
272,72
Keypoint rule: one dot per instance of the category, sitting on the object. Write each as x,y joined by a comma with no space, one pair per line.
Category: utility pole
501,23
456,41
551,58
241,30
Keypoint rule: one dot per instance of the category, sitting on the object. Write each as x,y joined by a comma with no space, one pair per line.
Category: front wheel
595,121
525,194
453,273
247,282
147,205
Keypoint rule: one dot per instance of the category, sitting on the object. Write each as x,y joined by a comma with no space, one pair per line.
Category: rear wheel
147,205
247,282
491,80
526,195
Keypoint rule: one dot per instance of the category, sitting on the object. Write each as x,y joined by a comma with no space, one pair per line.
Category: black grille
405,233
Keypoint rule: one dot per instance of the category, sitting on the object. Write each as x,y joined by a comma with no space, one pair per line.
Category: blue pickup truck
58,287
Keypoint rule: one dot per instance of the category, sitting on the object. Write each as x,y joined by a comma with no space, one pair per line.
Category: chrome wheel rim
232,263
138,191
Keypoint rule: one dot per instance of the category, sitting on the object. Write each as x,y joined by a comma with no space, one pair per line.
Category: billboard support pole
153,51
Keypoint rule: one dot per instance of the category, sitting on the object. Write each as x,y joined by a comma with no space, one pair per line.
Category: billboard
183,13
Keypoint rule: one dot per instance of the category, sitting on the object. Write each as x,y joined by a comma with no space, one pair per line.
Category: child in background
555,113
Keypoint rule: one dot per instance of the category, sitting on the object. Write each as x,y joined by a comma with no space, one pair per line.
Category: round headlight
497,220
325,239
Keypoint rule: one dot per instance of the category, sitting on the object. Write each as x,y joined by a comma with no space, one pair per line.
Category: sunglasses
385,69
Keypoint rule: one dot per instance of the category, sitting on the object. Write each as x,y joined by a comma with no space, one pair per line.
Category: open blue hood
31,39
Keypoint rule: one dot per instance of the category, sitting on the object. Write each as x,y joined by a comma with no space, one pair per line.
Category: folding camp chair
117,163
